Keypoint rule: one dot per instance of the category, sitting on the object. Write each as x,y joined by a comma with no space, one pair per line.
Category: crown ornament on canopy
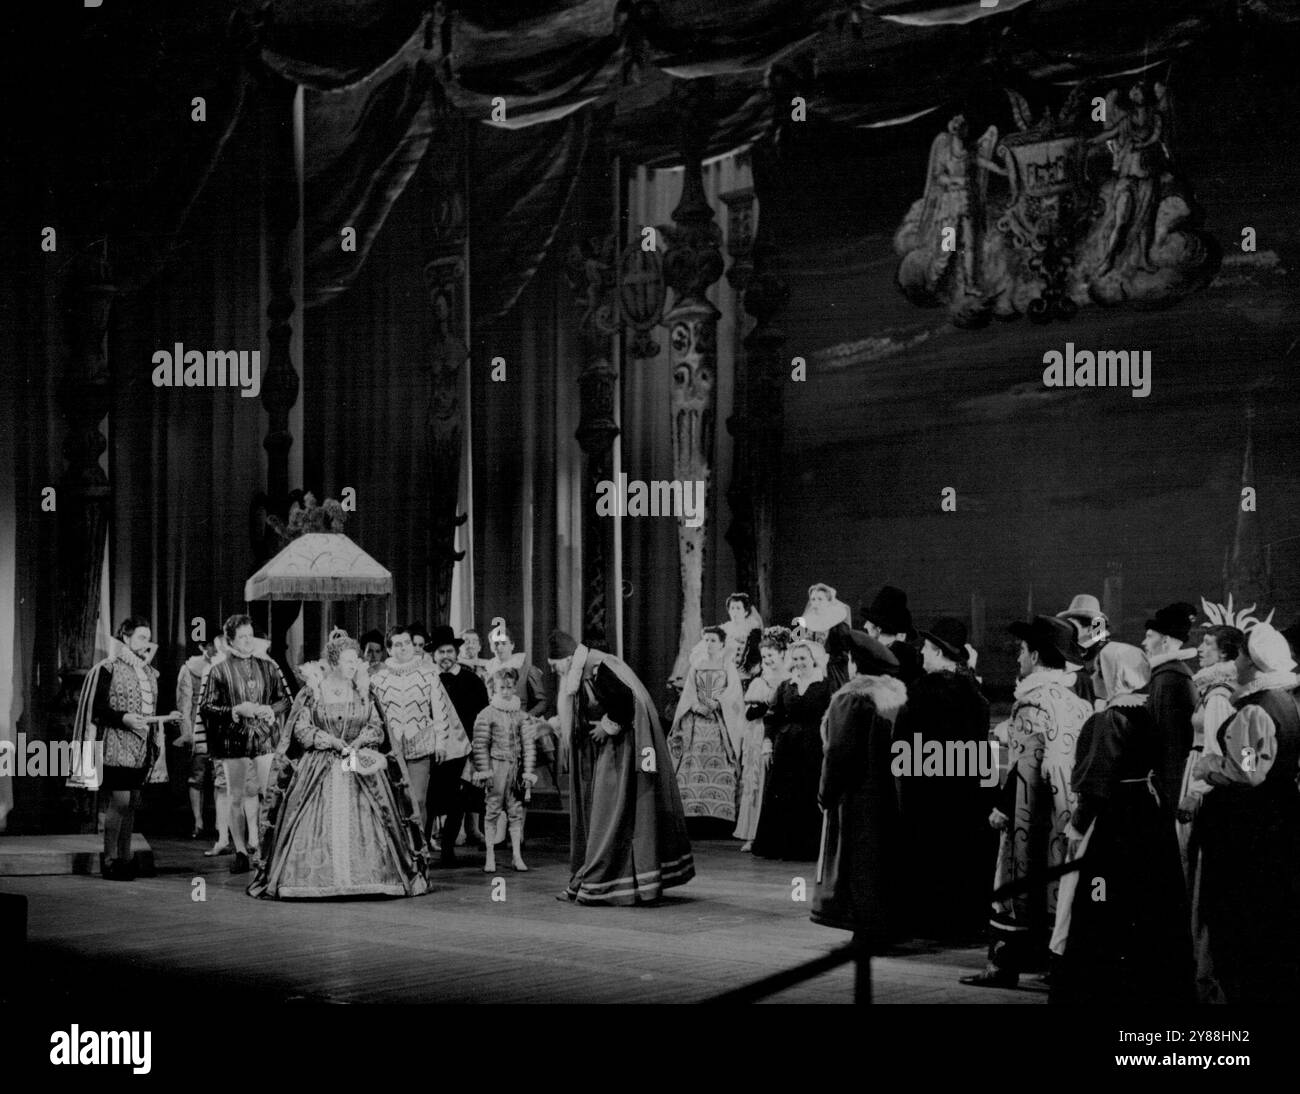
1222,615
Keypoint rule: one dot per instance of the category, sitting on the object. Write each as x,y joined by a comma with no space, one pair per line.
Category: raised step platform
34,856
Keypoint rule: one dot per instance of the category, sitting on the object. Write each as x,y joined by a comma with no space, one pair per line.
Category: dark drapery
362,144
366,399
185,463
524,184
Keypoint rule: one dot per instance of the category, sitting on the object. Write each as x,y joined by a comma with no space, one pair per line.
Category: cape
629,839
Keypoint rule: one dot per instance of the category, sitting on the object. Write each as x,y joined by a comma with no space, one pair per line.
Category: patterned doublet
409,694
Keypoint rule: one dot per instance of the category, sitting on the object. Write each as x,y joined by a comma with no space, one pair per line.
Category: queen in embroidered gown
707,731
340,821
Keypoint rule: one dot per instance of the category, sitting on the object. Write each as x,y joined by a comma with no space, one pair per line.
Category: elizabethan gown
340,825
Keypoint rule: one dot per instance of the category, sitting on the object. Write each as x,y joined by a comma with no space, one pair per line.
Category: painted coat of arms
1075,207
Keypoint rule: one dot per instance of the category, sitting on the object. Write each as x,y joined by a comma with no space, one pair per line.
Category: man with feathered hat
628,829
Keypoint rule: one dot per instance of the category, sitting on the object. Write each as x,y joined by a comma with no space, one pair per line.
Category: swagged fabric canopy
580,79
319,566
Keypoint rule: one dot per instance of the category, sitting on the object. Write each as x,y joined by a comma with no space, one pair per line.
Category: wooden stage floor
735,923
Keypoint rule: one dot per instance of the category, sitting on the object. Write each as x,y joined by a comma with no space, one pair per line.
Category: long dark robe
910,665
449,794
949,856
860,888
837,654
1129,935
627,826
1250,855
1172,702
790,825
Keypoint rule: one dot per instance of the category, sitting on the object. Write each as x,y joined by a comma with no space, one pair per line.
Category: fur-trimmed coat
858,888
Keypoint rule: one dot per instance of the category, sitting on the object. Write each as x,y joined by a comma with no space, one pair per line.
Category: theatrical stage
733,924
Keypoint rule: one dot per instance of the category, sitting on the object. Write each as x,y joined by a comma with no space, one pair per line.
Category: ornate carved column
761,371
693,262
281,209
765,370
740,532
83,492
446,273
590,270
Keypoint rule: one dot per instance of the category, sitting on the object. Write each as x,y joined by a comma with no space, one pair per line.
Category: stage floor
734,923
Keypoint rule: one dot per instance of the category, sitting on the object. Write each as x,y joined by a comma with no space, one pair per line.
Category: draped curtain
366,393
185,463
526,463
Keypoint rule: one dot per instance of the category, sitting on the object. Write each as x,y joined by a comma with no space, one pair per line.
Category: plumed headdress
1222,615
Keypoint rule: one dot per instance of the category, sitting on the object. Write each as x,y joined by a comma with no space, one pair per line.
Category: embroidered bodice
356,721
710,683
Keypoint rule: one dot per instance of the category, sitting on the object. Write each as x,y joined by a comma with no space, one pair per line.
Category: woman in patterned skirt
341,821
707,730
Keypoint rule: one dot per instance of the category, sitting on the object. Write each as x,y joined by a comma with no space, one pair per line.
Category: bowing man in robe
627,825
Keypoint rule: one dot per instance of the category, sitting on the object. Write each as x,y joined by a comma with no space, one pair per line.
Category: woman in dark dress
1126,935
790,824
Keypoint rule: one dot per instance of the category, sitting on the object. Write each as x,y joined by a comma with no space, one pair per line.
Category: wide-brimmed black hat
1046,632
889,611
442,636
1174,621
949,635
872,658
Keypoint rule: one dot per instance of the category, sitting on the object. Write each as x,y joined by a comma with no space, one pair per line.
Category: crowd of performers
1166,774
361,782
